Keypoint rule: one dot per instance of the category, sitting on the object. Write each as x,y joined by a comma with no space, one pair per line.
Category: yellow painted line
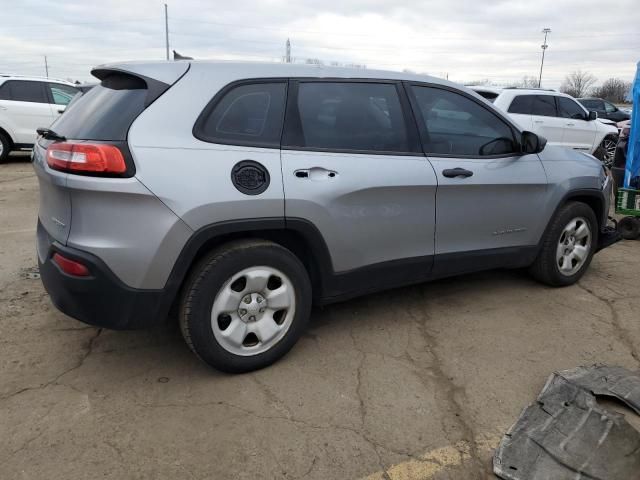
435,461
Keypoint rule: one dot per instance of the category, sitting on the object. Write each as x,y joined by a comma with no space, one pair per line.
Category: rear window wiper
50,134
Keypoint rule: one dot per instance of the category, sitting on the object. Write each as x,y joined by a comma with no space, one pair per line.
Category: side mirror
532,143
593,115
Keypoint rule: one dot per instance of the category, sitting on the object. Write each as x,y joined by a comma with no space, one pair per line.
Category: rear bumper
100,299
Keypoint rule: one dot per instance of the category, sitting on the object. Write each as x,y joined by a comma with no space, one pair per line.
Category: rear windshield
106,111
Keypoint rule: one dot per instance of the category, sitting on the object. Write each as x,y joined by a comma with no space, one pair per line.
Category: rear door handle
457,172
315,173
538,121
570,124
2,107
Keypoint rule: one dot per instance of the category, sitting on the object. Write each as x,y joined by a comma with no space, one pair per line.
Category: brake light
70,267
86,158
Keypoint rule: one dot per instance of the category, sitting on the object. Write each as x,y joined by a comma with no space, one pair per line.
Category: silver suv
238,195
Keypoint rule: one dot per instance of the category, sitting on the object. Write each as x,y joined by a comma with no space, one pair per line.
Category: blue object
632,168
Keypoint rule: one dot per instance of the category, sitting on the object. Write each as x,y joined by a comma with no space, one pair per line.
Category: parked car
27,103
605,109
558,118
241,217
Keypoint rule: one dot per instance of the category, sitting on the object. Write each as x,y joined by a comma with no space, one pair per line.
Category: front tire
567,246
606,151
245,305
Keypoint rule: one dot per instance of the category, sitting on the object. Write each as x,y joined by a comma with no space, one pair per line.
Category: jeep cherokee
240,194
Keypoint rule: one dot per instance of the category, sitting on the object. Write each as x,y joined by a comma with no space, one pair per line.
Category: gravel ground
415,383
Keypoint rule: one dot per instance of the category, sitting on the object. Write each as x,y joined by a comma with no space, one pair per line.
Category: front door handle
570,124
457,172
315,173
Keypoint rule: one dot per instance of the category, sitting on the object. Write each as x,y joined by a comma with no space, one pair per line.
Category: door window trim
198,127
293,125
516,132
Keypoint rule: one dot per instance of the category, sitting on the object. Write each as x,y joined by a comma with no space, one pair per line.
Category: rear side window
351,116
597,105
522,104
567,108
491,96
544,105
249,114
23,91
453,124
106,111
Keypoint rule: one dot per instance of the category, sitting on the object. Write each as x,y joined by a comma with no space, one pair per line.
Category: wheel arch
591,197
299,236
8,135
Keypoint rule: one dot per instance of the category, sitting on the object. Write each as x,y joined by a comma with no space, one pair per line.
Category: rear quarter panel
193,177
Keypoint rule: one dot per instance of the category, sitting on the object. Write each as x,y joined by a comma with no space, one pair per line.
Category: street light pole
544,46
166,29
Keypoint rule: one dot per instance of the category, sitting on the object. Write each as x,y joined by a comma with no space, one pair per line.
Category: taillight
86,158
70,267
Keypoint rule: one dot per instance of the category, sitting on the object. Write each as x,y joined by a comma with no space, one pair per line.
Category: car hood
606,121
562,154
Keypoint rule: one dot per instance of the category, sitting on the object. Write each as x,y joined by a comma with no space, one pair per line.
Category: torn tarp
566,435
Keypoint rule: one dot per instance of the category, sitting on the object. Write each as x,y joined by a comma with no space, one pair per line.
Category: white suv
557,117
27,103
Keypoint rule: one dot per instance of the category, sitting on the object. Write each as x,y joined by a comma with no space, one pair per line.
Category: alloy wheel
574,246
253,310
609,152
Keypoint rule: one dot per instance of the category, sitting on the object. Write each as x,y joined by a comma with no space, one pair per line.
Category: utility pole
287,57
166,29
544,46
46,66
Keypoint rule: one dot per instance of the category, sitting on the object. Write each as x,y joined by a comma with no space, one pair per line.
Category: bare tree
577,83
526,82
483,81
613,89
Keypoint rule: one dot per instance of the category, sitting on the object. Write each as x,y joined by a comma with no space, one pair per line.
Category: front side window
568,108
23,91
610,108
62,94
350,116
250,114
453,124
544,106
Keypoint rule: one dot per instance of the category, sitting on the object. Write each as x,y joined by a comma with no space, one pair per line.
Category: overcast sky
466,39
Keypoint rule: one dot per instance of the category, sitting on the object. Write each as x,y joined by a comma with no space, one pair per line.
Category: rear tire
245,305
629,228
568,246
5,147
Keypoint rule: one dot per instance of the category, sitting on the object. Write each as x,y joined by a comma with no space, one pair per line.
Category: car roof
270,70
8,76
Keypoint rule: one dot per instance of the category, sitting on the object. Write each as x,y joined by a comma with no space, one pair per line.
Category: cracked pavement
415,383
